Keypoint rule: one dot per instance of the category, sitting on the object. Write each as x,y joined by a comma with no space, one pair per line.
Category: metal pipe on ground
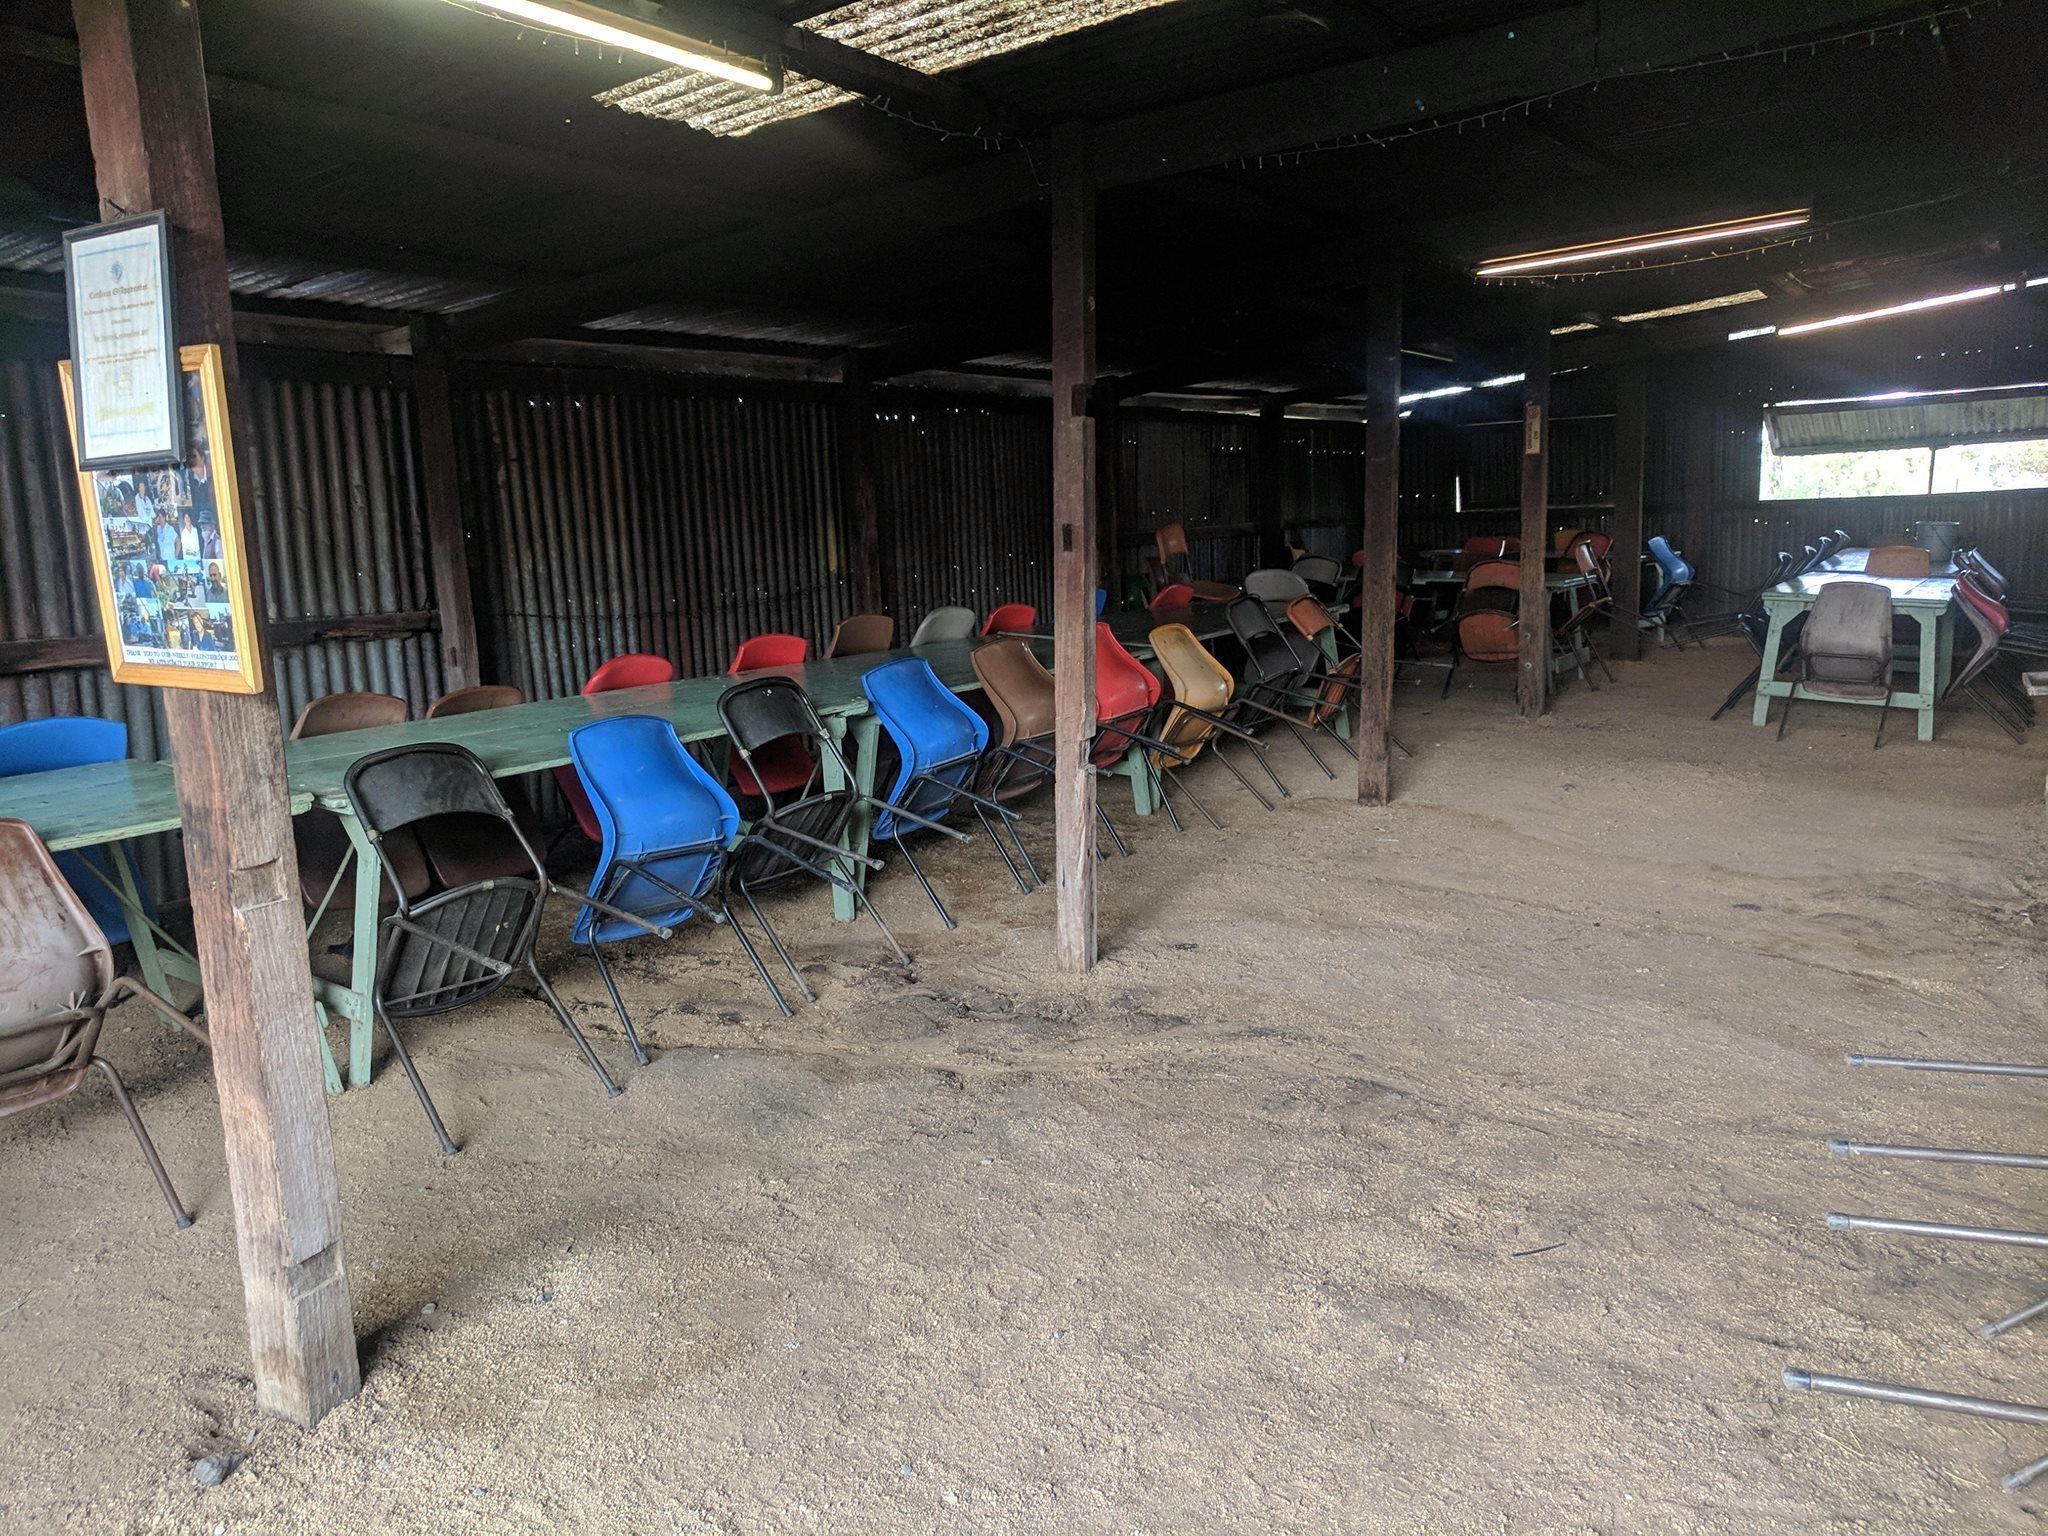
1845,1148
1926,1064
1907,1228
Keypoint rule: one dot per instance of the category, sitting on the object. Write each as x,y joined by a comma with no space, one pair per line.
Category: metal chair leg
1003,852
412,1074
775,942
611,1088
760,970
1110,827
1883,713
1741,691
1786,717
1165,799
156,1164
860,897
605,971
1238,773
1181,785
1450,672
931,895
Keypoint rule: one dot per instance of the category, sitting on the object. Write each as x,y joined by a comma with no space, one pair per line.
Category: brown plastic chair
1599,604
1488,618
1845,651
1198,709
471,701
1899,562
1171,543
864,634
465,847
57,982
1016,683
322,842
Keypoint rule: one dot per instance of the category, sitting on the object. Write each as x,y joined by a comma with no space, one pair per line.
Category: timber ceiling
384,158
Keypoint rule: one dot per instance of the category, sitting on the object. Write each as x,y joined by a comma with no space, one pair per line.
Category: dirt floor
1459,1166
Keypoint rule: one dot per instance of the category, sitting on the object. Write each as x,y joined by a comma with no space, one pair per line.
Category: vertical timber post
1631,426
1532,678
152,145
1380,535
1109,533
1074,538
441,486
857,482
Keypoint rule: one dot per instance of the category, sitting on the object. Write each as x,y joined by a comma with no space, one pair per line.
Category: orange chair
1488,618
635,669
1010,619
784,765
1170,543
1175,594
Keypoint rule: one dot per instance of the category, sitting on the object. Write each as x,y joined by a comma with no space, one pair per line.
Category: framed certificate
124,350
167,552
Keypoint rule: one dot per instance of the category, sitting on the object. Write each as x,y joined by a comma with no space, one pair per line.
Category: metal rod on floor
1937,1229
1915,1397
2012,1320
1921,1064
1844,1148
2025,1475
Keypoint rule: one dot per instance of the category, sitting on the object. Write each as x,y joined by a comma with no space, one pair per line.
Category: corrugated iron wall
1195,471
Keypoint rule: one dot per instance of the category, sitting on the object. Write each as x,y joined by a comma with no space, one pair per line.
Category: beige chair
1846,649
57,982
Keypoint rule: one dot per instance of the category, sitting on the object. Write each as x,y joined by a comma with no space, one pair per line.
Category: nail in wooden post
152,145
1381,534
1532,680
1631,425
1074,536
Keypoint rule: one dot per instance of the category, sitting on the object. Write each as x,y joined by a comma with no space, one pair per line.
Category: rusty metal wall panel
1197,472
964,493
642,515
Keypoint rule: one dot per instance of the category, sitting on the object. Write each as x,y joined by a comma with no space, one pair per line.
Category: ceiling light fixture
1574,328
1911,306
1698,306
1446,390
1755,330
1632,245
578,18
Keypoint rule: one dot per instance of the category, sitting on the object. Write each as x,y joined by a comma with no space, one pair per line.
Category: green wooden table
1929,601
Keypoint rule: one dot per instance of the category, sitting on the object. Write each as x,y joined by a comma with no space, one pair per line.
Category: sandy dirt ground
1459,1166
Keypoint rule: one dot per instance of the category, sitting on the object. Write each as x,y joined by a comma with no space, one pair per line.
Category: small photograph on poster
168,541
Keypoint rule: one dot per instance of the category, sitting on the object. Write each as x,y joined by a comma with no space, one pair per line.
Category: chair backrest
1101,601
1197,679
773,709
862,634
1011,618
664,822
1278,588
945,624
1907,562
1989,577
635,669
1247,616
62,741
1325,577
1175,594
1848,637
472,701
1494,573
773,650
337,712
1171,542
1483,547
938,739
403,785
1310,617
1125,691
1671,565
1976,600
1562,539
57,961
1017,684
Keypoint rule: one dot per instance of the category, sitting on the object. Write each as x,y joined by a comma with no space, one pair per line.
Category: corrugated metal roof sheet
1909,420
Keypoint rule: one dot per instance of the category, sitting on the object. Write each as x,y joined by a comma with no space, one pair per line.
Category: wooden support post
1532,679
441,488
152,144
1267,501
857,484
1631,425
1381,535
1074,536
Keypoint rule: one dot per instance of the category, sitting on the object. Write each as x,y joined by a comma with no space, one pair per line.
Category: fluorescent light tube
1633,245
577,18
1935,301
1697,306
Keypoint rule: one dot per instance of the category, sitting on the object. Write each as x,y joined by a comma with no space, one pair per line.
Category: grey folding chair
947,624
1275,588
1846,652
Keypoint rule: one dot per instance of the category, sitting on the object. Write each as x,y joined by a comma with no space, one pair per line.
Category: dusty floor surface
1454,1167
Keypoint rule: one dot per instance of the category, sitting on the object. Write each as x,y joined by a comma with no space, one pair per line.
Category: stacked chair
1486,624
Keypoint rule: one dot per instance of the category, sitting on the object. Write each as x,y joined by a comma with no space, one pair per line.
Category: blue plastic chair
939,743
1675,578
1101,600
73,741
665,827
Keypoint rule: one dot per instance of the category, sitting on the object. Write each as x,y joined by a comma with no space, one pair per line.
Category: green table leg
1767,668
363,960
1133,767
1937,644
328,1068
857,741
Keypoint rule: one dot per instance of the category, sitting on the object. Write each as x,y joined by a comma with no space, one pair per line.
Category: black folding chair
451,946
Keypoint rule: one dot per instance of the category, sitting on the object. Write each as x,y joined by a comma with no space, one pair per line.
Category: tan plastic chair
57,982
471,701
1898,562
863,634
1199,709
322,843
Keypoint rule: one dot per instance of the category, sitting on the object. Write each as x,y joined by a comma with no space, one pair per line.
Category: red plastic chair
635,669
1125,692
1010,618
769,651
1175,594
783,766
